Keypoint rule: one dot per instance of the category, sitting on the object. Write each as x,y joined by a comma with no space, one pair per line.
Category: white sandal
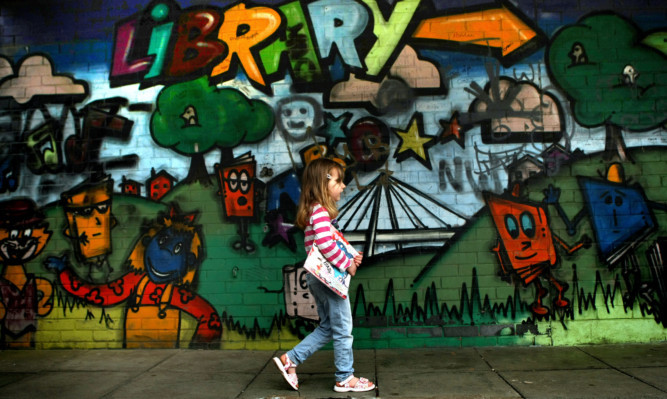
362,385
291,379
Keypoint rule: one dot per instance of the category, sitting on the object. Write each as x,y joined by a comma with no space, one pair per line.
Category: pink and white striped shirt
318,231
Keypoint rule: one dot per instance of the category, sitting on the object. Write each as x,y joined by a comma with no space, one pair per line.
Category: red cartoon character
237,188
525,246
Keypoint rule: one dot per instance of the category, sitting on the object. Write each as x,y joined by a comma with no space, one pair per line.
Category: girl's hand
356,262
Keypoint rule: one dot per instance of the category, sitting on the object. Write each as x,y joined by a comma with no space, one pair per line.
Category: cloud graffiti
35,78
396,89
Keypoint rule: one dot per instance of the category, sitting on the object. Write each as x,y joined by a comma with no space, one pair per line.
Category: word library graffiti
505,183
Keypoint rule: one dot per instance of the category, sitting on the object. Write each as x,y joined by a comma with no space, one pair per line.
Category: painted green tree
611,78
193,118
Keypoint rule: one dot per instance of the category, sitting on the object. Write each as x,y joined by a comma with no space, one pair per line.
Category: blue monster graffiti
619,213
621,217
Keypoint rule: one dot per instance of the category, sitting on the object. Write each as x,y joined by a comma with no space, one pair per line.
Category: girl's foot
354,384
288,370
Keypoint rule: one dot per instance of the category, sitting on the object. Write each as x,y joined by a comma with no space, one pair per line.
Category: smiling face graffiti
524,234
23,231
20,246
295,115
525,246
170,250
168,255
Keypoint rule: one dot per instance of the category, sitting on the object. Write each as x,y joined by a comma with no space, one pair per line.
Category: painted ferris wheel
389,215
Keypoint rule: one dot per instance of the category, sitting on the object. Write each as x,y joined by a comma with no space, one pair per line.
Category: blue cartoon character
620,214
621,218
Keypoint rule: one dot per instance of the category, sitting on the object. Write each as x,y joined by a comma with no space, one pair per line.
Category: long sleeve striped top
318,231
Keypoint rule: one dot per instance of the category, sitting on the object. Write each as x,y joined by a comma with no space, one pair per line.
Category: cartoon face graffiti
237,188
525,235
23,297
526,246
168,255
88,211
295,115
158,187
369,143
23,231
619,214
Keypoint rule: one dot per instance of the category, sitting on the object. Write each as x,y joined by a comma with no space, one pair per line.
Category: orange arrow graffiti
498,28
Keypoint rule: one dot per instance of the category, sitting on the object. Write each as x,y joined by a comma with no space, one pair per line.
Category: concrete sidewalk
607,371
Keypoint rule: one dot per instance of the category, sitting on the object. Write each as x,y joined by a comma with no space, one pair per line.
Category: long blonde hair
315,189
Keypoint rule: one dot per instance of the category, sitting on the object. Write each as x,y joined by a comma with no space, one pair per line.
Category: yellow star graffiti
413,140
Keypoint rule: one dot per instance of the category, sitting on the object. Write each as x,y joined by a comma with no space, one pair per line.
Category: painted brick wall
504,168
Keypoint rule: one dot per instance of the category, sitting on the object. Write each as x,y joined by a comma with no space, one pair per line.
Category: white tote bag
317,265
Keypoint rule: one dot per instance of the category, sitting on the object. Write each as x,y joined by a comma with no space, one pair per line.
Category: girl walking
321,187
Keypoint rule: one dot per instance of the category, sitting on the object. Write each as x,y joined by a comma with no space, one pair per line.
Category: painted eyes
87,211
512,226
239,181
15,233
288,112
527,225
618,201
162,240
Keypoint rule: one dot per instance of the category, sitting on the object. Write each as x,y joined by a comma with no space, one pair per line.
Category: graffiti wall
504,163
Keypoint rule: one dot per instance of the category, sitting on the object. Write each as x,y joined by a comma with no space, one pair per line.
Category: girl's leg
340,313
341,326
322,334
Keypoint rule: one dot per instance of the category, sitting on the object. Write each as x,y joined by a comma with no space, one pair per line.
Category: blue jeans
335,323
